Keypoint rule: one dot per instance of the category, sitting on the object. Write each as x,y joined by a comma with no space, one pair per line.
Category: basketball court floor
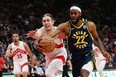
108,73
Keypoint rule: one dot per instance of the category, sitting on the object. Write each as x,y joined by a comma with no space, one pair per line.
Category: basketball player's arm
36,34
8,52
97,40
29,52
95,36
59,29
31,33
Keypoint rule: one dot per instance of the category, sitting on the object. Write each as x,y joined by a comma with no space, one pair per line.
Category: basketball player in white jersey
56,58
100,60
19,50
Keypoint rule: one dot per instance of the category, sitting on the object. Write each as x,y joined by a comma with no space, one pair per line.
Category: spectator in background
38,70
2,48
42,67
113,55
2,64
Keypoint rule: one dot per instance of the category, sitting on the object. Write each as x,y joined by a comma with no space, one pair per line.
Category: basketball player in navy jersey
79,32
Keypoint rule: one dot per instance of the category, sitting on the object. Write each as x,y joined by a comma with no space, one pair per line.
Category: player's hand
31,33
107,56
8,54
61,36
32,63
38,46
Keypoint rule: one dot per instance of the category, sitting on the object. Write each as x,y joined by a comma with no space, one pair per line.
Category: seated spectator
38,70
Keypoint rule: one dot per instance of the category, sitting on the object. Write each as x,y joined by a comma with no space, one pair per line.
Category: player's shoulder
42,29
10,45
23,43
91,23
55,27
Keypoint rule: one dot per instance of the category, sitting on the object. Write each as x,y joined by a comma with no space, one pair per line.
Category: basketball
46,43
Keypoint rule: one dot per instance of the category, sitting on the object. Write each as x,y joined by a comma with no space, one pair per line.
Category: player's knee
25,74
84,73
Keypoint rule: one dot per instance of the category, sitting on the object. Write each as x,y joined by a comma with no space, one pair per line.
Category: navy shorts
78,63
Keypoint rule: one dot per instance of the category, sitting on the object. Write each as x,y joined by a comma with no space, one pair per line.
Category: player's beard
77,20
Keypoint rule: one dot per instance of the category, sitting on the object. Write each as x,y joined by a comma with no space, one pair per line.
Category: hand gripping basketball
46,44
38,46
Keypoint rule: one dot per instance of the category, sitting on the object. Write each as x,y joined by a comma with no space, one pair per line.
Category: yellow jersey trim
80,25
92,63
89,30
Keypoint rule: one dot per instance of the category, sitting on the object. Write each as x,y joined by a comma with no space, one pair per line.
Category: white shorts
54,68
55,63
57,52
89,66
100,66
20,67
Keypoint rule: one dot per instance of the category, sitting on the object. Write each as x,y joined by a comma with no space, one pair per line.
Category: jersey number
19,55
80,40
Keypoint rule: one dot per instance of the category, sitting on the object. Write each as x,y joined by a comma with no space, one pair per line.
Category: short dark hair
15,32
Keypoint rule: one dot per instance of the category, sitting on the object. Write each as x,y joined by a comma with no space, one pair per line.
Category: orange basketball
47,44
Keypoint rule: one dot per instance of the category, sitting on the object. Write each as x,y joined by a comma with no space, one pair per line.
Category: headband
76,8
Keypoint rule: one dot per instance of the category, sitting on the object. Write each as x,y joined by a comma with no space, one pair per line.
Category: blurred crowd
24,15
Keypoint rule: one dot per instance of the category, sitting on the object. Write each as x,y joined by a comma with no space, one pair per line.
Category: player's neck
16,43
48,32
78,23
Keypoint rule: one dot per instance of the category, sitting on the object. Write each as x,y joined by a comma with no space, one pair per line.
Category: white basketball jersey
42,32
58,41
19,52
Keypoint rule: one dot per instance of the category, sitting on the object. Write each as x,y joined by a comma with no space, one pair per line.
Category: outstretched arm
97,40
36,34
59,30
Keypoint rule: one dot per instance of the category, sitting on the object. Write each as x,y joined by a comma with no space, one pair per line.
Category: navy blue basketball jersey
79,39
